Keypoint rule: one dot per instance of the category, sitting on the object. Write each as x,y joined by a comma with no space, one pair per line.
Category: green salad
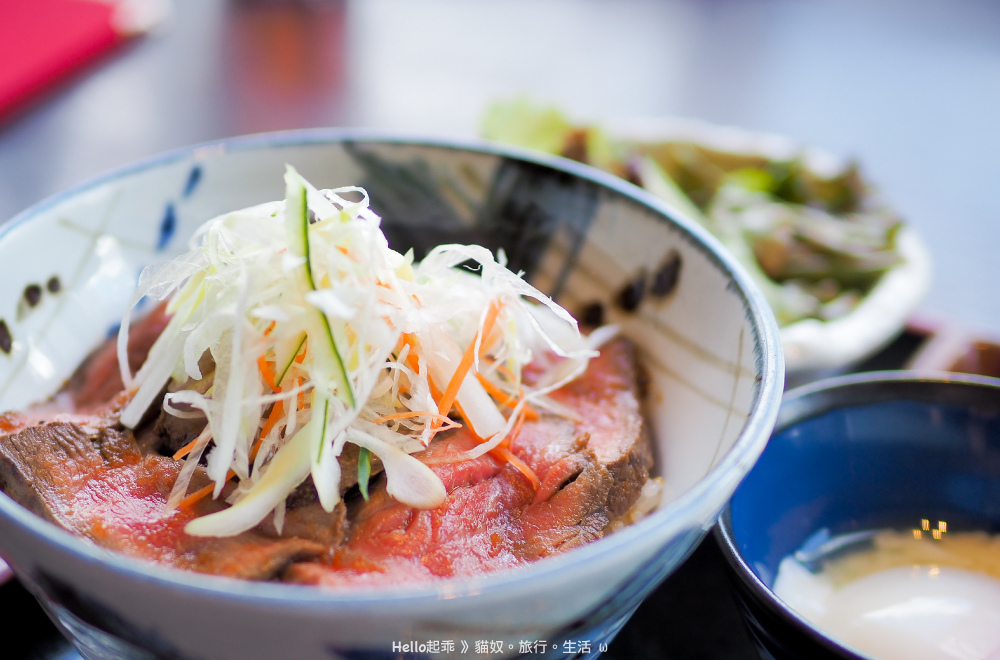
815,245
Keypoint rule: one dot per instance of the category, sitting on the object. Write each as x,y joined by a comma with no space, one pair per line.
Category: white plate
809,345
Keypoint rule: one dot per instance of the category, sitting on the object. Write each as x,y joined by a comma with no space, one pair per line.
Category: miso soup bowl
853,454
600,246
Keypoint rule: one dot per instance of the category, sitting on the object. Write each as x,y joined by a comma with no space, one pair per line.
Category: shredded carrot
502,368
301,398
465,418
531,412
450,392
194,497
185,450
276,411
444,419
502,451
506,400
267,372
503,398
270,328
301,356
200,494
404,385
411,358
441,422
254,449
523,468
516,431
437,426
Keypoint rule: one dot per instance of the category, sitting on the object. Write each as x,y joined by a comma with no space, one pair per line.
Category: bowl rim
921,385
822,396
670,519
762,594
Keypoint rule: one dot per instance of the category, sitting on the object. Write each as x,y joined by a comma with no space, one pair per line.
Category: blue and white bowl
707,339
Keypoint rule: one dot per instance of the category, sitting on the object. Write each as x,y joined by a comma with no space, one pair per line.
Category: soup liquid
905,597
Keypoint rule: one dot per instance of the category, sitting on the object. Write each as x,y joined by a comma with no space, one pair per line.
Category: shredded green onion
321,334
364,471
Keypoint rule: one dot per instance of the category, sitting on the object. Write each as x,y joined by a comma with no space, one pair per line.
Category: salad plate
841,271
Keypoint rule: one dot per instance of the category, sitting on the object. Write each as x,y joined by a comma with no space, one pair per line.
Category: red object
44,41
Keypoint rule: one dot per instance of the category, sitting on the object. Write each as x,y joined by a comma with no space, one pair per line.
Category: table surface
908,87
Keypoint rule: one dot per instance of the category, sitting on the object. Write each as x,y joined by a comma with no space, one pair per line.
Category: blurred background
909,88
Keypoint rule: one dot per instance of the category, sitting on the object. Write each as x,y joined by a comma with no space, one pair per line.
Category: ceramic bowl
595,243
872,451
812,347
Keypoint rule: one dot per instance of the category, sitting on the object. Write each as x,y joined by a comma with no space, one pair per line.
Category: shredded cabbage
319,335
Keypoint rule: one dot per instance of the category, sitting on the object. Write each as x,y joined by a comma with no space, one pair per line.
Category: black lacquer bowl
884,450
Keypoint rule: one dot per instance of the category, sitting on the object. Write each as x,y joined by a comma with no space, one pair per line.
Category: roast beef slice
97,484
591,472
43,466
604,458
98,379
